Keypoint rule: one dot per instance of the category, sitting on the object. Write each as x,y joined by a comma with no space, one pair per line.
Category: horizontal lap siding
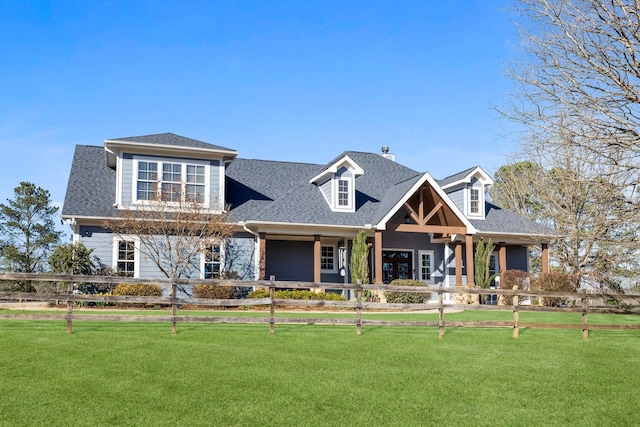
517,258
214,184
290,260
239,256
100,240
127,179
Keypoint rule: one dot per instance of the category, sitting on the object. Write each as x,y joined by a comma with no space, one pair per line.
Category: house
296,221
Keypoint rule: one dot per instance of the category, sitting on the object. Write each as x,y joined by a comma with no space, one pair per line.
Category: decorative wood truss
427,212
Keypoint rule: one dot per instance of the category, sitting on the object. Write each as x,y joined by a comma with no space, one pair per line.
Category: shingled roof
171,140
91,189
280,192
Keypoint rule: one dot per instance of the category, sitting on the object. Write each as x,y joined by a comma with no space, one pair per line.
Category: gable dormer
467,190
337,184
170,166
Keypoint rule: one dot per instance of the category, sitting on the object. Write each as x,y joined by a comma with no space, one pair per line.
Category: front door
396,265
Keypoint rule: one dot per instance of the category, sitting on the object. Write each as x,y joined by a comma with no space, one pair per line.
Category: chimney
386,155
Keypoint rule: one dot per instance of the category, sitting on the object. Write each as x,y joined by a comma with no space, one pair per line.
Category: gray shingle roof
172,140
455,177
274,191
499,220
91,190
286,195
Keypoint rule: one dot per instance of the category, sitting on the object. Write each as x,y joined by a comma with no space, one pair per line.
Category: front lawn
140,374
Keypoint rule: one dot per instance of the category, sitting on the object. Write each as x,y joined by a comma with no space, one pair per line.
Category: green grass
140,374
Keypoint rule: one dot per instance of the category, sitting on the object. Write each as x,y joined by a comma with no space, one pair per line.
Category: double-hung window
343,193
426,266
211,268
146,186
171,182
195,187
126,258
474,201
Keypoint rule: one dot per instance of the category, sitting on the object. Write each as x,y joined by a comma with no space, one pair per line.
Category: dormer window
337,184
467,190
474,202
343,193
475,199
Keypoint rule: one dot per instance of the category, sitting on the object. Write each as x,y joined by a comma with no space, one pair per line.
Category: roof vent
386,155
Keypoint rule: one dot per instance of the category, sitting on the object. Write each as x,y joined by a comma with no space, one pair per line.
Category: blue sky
282,80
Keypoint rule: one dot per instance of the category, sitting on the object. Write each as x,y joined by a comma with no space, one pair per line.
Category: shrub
555,281
511,278
407,297
213,292
138,290
297,294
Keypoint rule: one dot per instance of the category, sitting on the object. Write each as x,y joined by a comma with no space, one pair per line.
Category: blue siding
214,184
326,190
100,240
517,258
457,196
289,260
127,179
240,255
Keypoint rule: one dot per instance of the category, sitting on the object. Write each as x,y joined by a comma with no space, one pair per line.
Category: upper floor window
171,181
146,187
343,193
474,201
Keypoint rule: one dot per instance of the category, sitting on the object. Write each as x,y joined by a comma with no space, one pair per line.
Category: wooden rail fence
582,302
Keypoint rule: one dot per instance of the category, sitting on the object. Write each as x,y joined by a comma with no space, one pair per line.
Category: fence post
516,302
585,309
359,310
69,307
174,307
272,310
440,312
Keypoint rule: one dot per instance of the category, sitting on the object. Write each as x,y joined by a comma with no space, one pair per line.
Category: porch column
263,255
317,253
377,247
545,257
469,250
502,256
458,256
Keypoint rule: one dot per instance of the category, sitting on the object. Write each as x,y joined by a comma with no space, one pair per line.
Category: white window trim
480,189
335,185
431,253
203,257
136,253
160,161
335,258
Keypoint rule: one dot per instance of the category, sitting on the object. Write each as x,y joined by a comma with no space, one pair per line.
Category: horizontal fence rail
579,302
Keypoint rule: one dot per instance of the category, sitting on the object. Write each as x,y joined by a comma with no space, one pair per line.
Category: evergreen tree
358,265
28,230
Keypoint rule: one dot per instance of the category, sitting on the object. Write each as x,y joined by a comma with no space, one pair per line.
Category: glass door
396,265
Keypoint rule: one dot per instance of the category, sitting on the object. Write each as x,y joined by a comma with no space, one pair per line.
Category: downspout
256,257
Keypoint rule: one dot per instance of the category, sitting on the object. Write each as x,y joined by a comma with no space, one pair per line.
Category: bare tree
173,233
584,201
577,93
580,75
